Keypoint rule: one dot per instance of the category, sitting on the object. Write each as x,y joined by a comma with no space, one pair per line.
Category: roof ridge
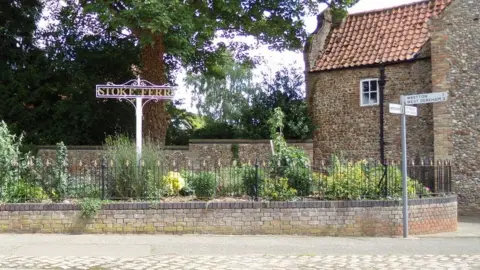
387,35
389,8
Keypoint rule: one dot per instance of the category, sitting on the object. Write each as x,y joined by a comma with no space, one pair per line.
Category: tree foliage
222,98
190,27
47,76
255,105
183,33
50,95
286,91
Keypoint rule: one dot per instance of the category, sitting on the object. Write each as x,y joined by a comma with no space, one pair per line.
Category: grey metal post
404,168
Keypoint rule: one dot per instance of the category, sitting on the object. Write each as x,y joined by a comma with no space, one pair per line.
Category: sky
274,60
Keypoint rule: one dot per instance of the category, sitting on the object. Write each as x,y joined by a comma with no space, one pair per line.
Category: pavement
459,250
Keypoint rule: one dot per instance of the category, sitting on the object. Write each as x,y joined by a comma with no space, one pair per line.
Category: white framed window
369,90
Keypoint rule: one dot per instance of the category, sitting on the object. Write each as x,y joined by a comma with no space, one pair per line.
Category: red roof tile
387,35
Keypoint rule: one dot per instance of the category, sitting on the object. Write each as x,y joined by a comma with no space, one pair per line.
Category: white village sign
412,111
138,92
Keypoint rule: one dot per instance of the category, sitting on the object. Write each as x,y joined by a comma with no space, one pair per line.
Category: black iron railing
109,180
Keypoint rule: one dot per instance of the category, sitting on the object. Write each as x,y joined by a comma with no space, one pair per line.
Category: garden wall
210,151
334,218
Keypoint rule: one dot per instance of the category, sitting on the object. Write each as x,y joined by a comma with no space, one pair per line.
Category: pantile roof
379,36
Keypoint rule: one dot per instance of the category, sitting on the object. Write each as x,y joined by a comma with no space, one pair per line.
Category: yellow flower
174,182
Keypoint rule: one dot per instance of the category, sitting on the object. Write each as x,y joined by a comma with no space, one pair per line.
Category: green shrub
10,160
278,190
25,192
300,179
186,191
359,180
53,177
174,182
287,161
126,178
89,207
230,182
203,184
252,177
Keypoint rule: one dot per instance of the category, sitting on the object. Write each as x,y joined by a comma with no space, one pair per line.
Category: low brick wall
341,218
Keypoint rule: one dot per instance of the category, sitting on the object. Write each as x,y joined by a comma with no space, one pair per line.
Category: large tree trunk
155,116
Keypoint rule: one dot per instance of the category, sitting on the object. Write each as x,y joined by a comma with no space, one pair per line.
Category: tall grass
129,178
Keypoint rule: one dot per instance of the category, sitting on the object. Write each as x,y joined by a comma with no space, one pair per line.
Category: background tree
221,98
285,91
17,54
47,76
182,125
175,33
48,91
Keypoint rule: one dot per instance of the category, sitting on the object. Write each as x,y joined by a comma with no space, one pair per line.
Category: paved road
445,251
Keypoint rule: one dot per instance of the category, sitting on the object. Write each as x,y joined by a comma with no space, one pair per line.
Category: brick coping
229,205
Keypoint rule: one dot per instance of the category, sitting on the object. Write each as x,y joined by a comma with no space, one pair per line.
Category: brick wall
346,127
455,68
210,151
347,218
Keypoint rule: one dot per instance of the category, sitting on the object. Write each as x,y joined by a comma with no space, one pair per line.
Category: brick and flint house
359,64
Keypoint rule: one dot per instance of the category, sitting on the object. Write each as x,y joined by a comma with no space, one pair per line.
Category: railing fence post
256,179
104,165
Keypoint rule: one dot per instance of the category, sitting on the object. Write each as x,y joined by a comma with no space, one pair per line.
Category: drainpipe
383,182
382,113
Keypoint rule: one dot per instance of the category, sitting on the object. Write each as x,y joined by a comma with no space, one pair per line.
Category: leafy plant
174,182
89,207
10,160
252,178
128,178
361,180
52,177
204,184
22,191
278,190
229,181
235,152
83,184
287,161
300,178
186,191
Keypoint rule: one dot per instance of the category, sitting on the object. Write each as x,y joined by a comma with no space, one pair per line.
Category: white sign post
404,110
135,92
404,169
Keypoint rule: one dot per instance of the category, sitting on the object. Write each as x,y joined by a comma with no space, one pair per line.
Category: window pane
366,99
373,85
373,98
365,87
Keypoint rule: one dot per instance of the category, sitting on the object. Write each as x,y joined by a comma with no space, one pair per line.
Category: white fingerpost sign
397,109
411,111
138,92
404,110
426,98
